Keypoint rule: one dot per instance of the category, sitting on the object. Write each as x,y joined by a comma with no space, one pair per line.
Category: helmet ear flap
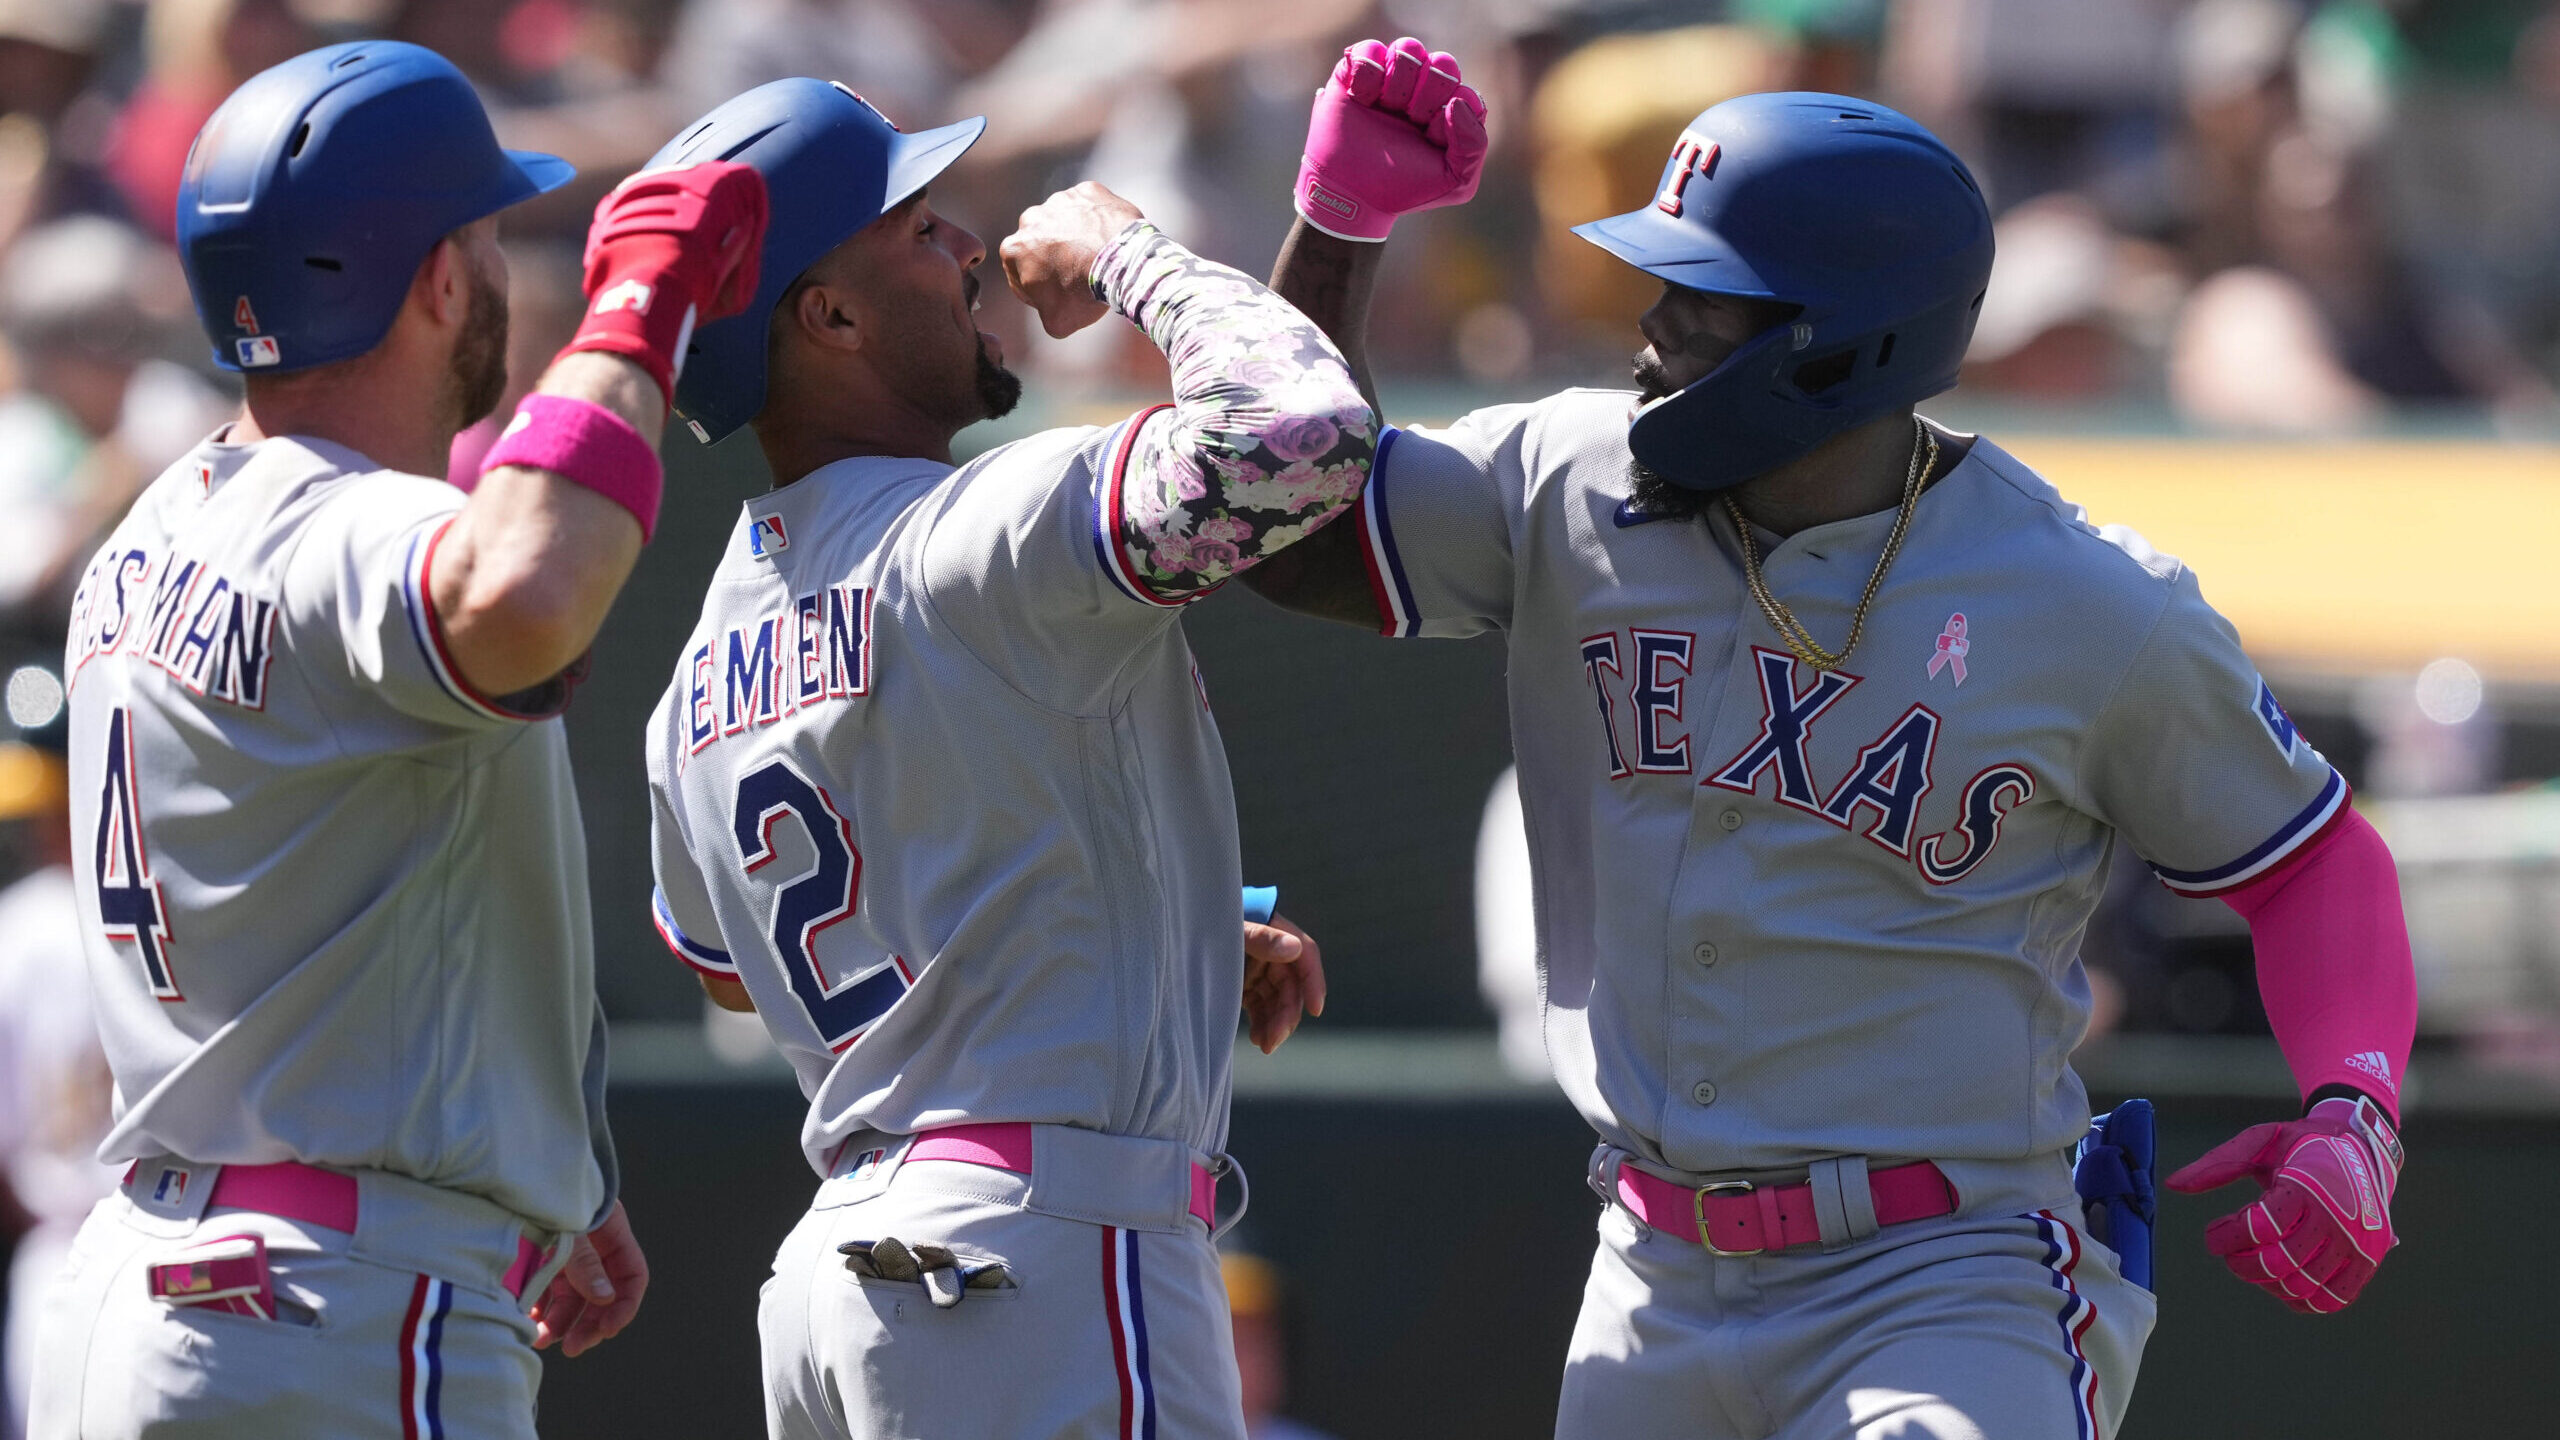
1853,213
1815,376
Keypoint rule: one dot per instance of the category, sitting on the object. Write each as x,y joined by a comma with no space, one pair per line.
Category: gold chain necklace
1924,458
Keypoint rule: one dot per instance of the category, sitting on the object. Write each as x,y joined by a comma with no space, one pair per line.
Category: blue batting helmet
314,193
1846,210
831,165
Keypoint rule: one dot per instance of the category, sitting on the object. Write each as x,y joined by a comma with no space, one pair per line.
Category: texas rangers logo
631,295
1692,156
1952,648
766,538
257,352
1887,783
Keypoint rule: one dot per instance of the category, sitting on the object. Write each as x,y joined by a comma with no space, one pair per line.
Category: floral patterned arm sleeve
1269,438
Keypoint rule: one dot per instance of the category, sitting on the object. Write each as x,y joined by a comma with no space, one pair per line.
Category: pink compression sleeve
2333,961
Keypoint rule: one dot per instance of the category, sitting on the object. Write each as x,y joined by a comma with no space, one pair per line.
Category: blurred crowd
2290,216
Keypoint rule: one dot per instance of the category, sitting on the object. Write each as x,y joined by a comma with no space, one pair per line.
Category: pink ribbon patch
1951,649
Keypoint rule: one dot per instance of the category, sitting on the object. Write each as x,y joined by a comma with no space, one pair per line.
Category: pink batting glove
2314,1238
1393,132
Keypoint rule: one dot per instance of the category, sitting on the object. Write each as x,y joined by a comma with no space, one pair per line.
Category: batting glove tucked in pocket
947,1278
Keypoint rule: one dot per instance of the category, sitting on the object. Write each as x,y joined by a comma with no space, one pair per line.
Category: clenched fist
1394,130
1048,259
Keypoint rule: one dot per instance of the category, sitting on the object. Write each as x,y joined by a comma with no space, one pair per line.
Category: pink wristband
584,444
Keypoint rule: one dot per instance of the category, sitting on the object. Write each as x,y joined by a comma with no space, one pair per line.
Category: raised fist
669,249
1394,131
1048,259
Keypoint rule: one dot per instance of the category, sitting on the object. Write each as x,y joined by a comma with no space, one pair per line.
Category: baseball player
939,794
1828,722
330,866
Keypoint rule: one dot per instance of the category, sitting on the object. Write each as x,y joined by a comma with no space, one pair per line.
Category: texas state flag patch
766,538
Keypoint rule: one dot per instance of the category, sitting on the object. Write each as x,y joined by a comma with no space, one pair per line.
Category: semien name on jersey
818,649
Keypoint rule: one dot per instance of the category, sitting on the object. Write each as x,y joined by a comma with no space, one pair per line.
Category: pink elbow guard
2333,961
584,444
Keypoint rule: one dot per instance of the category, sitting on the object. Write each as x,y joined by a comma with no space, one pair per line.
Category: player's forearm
2333,963
531,566
1270,439
1331,280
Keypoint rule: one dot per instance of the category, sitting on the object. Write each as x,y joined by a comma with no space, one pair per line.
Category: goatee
999,389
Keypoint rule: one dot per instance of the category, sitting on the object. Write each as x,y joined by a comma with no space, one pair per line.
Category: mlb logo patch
766,538
171,1189
257,351
865,1163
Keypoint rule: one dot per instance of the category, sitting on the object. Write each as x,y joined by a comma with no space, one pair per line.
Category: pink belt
1008,1147
1736,1217
309,1195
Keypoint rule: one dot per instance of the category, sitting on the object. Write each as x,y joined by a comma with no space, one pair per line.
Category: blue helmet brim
734,348
926,154
1664,248
545,173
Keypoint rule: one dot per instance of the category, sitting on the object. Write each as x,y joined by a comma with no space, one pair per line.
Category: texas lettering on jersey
176,613
1883,787
816,651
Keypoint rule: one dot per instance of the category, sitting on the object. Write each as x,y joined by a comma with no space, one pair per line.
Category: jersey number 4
825,893
129,903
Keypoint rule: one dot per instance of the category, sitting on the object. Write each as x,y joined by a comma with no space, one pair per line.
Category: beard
477,376
1652,494
999,389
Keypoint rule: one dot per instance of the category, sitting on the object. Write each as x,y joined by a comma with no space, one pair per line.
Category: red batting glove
1393,132
2314,1238
670,247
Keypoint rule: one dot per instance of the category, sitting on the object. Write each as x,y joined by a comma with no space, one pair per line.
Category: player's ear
443,283
826,317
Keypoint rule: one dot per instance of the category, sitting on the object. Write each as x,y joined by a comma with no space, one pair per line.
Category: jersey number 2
825,893
129,905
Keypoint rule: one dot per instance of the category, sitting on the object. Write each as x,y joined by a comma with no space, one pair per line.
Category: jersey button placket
1704,1092
1704,954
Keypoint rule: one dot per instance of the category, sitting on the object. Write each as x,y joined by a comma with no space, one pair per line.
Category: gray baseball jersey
948,800
338,900
1785,914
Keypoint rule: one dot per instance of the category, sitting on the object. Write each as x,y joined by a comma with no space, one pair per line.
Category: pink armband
584,444
2333,961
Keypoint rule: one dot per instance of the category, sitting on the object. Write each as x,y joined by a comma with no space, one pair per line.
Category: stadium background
2279,286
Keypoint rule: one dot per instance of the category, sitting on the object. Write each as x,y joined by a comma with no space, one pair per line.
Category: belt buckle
1698,1207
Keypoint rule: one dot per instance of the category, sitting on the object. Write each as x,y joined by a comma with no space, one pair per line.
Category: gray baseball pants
2004,1321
